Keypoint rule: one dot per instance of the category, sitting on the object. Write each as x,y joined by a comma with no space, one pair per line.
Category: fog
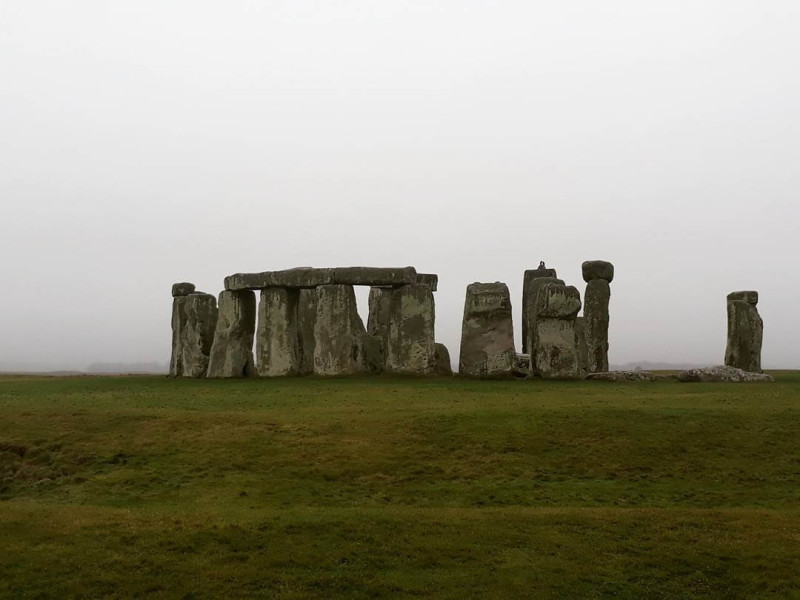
149,142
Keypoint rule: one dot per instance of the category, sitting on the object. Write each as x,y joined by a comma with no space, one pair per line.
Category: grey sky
150,142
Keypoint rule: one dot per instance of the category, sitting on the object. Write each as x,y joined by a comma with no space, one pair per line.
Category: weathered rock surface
487,333
722,375
555,350
529,292
200,312
745,332
232,351
374,355
529,296
410,346
178,328
522,365
380,311
182,289
597,269
338,332
429,279
374,276
443,366
277,348
299,277
623,376
306,319
595,324
580,341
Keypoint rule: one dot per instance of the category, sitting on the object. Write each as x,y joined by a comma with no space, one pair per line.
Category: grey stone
200,311
410,346
529,296
596,320
487,332
338,332
178,328
232,351
580,340
380,310
555,350
745,332
529,291
522,365
182,289
722,375
299,277
306,318
374,276
429,279
749,296
374,355
277,347
597,269
624,376
444,368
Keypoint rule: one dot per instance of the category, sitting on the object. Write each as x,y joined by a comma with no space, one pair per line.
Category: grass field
386,488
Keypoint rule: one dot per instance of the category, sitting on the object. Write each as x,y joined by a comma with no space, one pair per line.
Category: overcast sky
148,142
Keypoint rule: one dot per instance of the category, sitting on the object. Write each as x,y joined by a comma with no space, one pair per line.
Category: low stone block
444,367
232,351
522,365
182,289
624,376
487,333
598,269
722,375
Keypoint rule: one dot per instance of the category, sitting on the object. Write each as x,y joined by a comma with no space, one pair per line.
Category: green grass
385,488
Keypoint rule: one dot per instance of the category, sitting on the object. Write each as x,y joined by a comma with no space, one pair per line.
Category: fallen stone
487,333
623,376
529,291
374,276
722,375
529,295
299,277
745,332
338,332
182,289
555,350
597,269
444,367
232,351
595,324
428,279
277,348
410,346
200,311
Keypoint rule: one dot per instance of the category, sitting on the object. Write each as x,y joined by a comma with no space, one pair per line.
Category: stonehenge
745,332
487,332
305,322
597,274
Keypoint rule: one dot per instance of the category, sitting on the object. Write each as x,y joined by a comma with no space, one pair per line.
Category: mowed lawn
146,487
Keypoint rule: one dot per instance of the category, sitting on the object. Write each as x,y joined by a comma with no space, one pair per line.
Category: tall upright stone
487,332
200,313
338,332
745,332
410,345
580,341
380,311
555,346
529,296
179,293
232,351
277,348
529,307
306,318
597,274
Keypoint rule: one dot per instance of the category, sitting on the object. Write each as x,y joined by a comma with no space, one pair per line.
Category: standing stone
410,346
529,307
338,332
580,341
380,311
200,312
443,366
555,348
745,332
178,329
487,332
597,274
306,317
232,350
277,348
529,297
